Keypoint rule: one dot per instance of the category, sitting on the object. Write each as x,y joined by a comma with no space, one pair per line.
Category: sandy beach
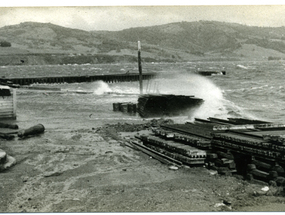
80,164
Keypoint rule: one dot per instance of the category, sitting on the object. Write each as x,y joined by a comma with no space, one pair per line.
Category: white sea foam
101,87
200,87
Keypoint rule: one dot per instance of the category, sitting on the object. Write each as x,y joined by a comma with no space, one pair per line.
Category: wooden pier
108,78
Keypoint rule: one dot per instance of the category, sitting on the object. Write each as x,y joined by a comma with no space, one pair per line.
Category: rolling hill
46,43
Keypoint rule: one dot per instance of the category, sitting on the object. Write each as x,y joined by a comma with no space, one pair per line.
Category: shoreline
74,167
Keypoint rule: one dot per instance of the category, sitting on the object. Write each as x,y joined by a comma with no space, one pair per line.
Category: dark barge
157,105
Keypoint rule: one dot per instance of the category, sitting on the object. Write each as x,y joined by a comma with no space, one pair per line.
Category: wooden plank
177,147
259,173
155,154
6,105
6,113
179,157
262,164
232,127
2,101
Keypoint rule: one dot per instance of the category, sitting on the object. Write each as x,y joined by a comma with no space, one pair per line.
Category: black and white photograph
138,108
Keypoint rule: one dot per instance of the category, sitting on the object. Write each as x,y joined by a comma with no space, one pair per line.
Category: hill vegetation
46,43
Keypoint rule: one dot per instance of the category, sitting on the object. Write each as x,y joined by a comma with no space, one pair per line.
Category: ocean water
254,90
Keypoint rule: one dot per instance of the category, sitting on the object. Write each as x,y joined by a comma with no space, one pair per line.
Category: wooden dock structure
108,78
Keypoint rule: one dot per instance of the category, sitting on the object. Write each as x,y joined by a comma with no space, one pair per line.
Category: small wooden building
7,102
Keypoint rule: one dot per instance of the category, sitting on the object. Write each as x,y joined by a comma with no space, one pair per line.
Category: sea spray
198,86
101,87
215,103
97,87
125,88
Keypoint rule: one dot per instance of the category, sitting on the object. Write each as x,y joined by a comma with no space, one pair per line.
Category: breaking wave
101,88
215,104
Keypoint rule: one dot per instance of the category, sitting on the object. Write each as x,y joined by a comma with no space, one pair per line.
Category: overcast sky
85,17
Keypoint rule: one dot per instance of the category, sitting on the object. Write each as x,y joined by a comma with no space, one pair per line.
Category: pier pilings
108,78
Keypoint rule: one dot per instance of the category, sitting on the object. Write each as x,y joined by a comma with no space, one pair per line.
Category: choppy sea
254,90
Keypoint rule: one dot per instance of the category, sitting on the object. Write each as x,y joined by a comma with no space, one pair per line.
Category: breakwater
108,78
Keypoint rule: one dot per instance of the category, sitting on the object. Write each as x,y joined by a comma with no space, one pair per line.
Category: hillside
46,43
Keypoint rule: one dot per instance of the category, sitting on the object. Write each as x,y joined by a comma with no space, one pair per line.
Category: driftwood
161,157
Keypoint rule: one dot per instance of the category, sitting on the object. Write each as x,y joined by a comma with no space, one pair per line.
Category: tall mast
140,67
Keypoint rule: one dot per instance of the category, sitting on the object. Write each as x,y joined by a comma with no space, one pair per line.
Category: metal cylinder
37,129
132,108
116,106
124,107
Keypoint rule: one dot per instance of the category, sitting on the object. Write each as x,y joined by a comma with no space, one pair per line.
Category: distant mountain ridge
38,43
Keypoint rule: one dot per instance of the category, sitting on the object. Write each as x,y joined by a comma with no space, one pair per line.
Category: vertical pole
140,67
14,103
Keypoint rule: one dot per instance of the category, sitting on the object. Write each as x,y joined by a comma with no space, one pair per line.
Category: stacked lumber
186,154
266,170
188,139
223,162
254,149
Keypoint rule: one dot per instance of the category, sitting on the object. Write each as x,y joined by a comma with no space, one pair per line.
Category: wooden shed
7,102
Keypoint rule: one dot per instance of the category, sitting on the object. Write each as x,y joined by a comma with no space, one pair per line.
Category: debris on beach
7,125
6,161
9,135
34,130
225,147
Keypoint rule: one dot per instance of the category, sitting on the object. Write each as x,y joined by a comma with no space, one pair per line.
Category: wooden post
140,67
14,103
